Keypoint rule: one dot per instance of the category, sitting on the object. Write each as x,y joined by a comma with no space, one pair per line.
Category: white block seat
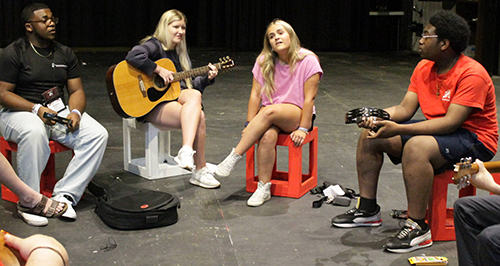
157,162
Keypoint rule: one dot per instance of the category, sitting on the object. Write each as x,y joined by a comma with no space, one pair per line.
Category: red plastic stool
48,177
439,217
294,183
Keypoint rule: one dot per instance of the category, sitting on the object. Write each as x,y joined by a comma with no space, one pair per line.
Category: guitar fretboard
193,72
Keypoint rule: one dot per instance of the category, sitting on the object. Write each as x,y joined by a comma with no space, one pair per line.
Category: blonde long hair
162,34
270,57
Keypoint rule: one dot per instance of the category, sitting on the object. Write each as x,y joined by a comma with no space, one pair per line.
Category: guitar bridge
141,86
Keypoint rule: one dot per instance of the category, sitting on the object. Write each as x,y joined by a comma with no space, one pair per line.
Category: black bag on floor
125,207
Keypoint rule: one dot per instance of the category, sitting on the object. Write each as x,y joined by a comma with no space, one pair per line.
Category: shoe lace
186,153
259,193
404,232
408,227
230,162
201,172
207,176
353,210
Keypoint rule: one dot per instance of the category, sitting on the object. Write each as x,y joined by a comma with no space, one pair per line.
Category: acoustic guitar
465,169
134,94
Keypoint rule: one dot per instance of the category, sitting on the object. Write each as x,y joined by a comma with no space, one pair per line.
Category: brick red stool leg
439,216
48,176
6,149
291,183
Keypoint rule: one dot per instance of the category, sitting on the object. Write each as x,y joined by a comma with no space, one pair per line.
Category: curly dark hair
28,11
452,27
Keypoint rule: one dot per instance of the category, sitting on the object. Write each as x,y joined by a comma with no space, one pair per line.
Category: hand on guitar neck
170,76
477,174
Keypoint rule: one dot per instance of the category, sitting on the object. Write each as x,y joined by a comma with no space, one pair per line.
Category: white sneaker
204,178
261,195
184,158
70,212
227,166
32,219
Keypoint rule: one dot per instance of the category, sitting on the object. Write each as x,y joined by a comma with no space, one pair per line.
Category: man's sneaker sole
195,182
362,224
424,244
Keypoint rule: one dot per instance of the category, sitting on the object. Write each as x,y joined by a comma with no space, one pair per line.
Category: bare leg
369,160
284,116
27,196
421,156
199,143
266,154
184,113
190,100
166,115
176,115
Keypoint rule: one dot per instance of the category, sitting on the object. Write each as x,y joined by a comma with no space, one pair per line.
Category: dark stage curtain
329,25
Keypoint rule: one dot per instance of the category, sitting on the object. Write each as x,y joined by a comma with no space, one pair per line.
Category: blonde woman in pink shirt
285,83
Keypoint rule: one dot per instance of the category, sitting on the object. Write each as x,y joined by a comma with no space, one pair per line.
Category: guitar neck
492,167
193,72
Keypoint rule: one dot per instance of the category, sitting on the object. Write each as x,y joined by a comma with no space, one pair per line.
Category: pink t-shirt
289,86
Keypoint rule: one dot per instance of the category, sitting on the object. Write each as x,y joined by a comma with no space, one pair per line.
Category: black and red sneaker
357,218
411,237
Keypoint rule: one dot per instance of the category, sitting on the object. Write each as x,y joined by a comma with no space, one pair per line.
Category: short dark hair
452,27
30,9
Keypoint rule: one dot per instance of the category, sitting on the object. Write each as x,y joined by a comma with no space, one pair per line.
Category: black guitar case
125,207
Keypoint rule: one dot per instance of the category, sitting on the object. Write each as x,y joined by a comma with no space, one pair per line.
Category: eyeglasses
46,20
429,36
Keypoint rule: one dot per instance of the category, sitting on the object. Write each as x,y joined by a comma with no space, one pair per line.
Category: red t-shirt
467,84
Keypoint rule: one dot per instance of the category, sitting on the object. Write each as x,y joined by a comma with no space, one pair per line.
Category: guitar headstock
225,63
463,172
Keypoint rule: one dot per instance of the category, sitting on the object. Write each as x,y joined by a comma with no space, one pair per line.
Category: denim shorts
453,147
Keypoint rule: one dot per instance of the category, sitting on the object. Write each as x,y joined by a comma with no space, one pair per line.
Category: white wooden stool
158,162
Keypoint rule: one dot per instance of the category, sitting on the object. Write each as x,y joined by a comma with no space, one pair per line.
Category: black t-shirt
33,74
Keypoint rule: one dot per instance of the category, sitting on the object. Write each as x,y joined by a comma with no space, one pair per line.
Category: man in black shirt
36,72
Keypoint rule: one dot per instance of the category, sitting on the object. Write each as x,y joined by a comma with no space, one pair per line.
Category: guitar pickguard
155,95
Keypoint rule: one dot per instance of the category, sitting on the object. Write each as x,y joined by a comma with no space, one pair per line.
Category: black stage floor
215,226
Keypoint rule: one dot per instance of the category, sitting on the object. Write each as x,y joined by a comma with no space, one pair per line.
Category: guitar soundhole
158,81
155,95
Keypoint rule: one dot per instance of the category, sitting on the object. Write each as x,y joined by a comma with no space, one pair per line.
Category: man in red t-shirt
457,97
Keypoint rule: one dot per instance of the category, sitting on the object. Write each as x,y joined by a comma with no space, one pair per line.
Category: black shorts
453,147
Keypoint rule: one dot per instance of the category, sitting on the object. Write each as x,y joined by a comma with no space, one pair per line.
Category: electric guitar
134,94
465,169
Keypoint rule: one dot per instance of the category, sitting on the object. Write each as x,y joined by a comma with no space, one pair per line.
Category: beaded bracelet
51,248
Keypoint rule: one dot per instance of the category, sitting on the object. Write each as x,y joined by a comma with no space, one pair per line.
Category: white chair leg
151,150
157,161
127,152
